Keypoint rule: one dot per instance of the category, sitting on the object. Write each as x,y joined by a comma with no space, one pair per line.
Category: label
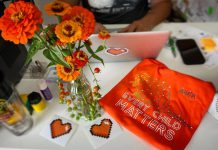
46,93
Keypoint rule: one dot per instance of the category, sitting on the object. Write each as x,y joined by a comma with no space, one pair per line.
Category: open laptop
130,46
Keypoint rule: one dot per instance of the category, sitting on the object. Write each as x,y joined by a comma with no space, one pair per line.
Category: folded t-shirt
162,106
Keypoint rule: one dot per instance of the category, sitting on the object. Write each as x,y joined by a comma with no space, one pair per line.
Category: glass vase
84,104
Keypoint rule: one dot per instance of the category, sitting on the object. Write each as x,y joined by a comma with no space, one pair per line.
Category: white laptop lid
130,46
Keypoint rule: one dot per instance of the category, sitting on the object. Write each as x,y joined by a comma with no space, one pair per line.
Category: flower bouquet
63,44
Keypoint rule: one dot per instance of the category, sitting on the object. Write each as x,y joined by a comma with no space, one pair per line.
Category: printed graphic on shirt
112,6
99,4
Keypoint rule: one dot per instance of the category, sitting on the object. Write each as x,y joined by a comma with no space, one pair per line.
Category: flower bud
97,70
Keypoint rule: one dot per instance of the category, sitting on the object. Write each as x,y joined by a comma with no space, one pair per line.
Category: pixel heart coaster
102,130
59,130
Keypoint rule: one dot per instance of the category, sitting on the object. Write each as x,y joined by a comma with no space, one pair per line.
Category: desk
205,137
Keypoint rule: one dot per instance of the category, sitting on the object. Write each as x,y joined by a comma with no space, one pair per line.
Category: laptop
130,46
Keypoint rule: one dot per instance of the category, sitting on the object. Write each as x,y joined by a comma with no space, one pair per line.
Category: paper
59,130
102,131
213,110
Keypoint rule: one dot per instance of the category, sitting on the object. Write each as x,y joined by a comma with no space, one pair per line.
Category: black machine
12,58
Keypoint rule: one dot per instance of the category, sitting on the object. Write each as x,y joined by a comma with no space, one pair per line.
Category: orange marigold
20,21
104,34
57,8
68,31
67,74
81,58
84,18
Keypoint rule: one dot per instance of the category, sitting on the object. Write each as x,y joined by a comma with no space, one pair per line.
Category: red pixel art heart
59,129
103,129
117,51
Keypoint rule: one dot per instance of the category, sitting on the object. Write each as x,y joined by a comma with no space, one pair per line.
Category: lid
42,84
34,98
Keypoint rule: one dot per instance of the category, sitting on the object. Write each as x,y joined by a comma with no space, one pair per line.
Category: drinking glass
14,115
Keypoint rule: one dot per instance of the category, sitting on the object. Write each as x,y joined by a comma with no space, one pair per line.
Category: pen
172,46
38,65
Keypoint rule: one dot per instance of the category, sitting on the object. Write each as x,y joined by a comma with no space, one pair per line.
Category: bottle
36,101
45,89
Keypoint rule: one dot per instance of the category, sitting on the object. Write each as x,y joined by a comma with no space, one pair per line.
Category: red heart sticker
117,51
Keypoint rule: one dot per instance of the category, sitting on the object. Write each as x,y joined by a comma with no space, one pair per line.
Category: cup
14,115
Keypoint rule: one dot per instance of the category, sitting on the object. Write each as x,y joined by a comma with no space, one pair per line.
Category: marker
172,46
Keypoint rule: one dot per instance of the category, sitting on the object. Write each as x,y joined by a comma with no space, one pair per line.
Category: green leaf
48,28
40,45
100,48
35,46
66,52
55,57
50,64
93,54
59,57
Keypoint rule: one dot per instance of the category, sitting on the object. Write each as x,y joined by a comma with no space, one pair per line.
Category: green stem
45,43
104,44
59,18
96,81
70,48
79,45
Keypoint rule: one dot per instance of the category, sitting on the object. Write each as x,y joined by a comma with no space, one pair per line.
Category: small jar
45,89
36,101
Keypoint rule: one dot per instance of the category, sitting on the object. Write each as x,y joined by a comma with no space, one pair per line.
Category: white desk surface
206,136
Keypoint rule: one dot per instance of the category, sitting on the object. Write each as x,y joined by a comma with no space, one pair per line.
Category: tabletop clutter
141,101
161,106
147,99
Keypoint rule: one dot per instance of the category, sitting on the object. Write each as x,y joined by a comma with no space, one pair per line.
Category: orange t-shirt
162,106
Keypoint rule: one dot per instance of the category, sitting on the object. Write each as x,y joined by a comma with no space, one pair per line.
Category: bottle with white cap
45,89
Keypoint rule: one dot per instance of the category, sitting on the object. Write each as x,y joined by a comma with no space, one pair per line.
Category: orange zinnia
59,43
68,31
57,8
81,58
104,34
67,74
20,21
84,18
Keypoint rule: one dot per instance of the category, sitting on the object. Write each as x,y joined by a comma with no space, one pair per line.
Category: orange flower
20,21
104,34
68,31
57,8
84,18
88,42
67,74
81,58
70,60
59,43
